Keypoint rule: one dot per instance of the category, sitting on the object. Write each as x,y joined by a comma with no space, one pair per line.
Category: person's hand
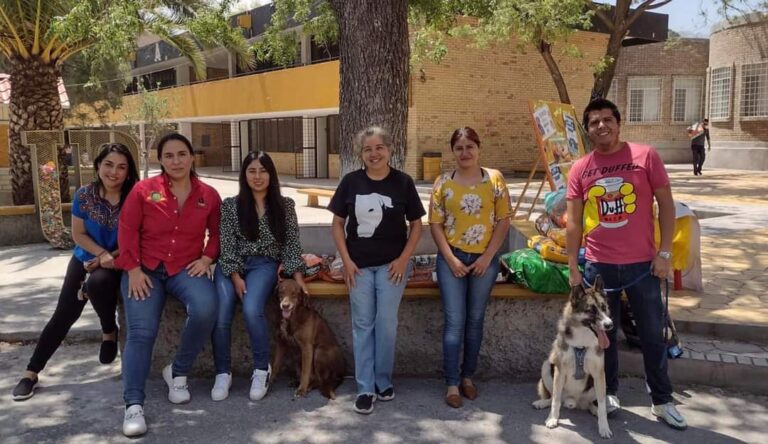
480,266
91,265
303,286
350,271
239,283
660,267
574,277
457,267
709,148
138,284
200,267
106,260
397,269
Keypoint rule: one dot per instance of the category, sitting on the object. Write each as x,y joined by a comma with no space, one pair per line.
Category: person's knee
202,310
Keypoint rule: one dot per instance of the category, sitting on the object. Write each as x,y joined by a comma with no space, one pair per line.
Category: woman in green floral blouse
259,231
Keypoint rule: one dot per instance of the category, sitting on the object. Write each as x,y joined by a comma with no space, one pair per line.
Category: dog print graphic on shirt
369,211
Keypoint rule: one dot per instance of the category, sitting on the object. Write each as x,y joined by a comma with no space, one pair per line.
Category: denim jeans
374,302
143,320
260,278
648,311
464,302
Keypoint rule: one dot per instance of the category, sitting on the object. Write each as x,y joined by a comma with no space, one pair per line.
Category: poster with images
560,138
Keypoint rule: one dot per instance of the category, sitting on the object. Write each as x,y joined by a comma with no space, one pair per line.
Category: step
710,361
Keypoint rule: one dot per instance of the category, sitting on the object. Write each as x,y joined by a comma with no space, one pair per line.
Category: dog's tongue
286,314
602,339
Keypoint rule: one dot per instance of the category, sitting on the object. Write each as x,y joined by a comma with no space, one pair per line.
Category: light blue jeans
143,320
374,302
260,278
464,302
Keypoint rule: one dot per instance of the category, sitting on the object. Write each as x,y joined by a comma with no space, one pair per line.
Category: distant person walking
698,132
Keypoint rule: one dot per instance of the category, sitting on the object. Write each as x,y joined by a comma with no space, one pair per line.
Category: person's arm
83,239
128,238
502,209
340,239
202,265
399,266
709,142
293,264
666,203
574,230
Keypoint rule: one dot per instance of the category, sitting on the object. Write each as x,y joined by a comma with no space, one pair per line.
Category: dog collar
580,353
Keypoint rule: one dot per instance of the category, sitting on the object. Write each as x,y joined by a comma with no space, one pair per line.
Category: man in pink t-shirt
610,205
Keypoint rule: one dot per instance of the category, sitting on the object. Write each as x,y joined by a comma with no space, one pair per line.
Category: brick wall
683,58
488,89
218,136
733,47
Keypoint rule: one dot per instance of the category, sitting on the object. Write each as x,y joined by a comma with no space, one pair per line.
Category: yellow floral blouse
469,214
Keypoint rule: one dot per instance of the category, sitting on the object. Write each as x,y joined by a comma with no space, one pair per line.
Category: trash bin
199,159
432,165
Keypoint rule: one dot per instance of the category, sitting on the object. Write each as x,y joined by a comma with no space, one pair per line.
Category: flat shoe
453,400
469,391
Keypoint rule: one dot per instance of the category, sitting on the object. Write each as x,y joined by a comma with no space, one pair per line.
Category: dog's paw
540,404
605,432
300,392
551,423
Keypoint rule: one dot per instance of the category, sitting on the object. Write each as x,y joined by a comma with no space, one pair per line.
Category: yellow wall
305,87
4,147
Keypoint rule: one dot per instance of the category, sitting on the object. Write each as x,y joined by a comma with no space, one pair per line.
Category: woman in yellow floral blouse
469,219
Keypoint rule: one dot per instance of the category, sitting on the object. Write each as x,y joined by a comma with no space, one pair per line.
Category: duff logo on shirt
610,202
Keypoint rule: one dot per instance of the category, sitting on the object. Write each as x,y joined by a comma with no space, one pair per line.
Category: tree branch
600,13
647,5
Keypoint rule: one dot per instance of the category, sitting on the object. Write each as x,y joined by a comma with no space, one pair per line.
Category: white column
234,140
142,146
185,129
182,75
306,49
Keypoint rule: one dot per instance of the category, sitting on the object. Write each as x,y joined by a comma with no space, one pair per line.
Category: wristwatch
664,255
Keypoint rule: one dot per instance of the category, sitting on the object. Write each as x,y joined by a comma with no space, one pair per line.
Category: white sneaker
133,422
177,387
221,386
260,383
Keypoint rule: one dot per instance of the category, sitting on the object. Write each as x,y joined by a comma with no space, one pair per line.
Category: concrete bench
314,193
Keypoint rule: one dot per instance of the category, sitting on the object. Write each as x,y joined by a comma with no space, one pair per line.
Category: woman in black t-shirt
370,208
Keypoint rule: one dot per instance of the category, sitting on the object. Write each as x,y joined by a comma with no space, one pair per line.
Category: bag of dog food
555,206
312,266
423,267
527,268
332,269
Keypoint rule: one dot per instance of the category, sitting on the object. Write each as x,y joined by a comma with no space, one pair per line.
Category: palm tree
38,36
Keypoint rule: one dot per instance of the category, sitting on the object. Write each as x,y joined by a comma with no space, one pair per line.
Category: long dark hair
246,203
133,172
175,136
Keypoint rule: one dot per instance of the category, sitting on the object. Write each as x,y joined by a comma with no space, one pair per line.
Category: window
334,134
276,135
613,92
686,99
644,99
754,90
720,94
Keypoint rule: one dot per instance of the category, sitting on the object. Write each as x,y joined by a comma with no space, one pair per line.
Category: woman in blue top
95,209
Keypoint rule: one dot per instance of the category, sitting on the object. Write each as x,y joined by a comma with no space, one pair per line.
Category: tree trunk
603,79
35,105
545,49
374,52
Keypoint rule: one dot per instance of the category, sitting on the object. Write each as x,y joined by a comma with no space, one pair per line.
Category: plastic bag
528,268
555,206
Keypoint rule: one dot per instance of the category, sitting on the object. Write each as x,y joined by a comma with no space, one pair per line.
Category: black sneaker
386,395
25,389
108,352
364,404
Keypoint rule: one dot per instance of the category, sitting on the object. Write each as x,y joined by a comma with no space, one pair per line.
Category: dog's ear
577,295
599,285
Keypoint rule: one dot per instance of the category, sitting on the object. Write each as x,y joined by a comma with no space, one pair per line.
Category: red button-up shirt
153,229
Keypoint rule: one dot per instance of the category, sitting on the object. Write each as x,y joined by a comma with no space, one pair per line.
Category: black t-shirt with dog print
376,213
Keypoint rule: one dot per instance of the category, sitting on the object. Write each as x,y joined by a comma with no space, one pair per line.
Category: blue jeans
648,311
464,302
260,278
374,302
143,319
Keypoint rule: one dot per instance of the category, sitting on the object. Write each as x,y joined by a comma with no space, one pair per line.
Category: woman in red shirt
161,235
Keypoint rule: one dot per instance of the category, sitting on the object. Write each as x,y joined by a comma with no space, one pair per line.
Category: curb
737,332
710,370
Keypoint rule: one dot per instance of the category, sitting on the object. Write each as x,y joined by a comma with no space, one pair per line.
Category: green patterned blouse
235,248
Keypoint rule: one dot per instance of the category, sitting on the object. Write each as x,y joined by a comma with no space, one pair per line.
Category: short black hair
706,120
597,105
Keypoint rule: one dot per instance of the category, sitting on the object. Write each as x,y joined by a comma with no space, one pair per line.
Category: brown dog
301,328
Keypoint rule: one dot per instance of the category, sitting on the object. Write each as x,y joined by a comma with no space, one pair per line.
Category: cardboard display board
560,138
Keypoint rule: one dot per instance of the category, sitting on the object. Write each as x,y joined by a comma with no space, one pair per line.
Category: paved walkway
80,401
